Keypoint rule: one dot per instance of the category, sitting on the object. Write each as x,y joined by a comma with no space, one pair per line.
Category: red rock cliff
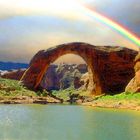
110,68
134,84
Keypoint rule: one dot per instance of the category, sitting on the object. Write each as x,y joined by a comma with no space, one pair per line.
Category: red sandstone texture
110,68
134,84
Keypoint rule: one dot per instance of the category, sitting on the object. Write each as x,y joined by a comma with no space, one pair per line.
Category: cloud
62,8
26,27
23,46
124,12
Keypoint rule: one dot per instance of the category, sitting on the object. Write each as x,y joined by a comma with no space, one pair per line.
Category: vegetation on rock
12,91
67,94
13,88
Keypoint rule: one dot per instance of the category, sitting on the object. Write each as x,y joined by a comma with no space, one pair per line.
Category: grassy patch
13,88
65,94
122,96
122,100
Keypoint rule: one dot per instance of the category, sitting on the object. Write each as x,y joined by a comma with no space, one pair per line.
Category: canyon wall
134,84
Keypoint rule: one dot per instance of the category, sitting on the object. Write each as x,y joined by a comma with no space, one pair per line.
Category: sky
27,26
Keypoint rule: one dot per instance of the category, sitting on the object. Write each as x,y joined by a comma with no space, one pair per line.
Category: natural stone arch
99,60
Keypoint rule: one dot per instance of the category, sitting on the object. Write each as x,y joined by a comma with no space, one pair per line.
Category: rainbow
112,24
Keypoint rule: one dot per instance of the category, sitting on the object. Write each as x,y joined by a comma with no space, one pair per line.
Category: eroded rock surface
109,68
63,76
84,80
134,84
13,74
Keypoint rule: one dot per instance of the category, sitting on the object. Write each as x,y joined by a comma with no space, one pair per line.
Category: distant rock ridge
12,74
57,76
63,76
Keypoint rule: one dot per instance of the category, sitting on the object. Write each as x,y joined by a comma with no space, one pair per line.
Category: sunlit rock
134,84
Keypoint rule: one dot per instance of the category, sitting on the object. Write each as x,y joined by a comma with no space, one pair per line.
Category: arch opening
67,71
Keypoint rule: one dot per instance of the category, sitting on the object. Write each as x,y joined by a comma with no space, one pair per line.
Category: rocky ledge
114,104
29,100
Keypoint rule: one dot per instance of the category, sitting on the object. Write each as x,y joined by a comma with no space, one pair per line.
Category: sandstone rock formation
50,79
2,72
82,68
13,74
63,76
134,84
110,68
84,81
56,77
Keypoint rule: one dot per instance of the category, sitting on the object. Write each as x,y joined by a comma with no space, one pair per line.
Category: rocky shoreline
50,100
29,100
116,105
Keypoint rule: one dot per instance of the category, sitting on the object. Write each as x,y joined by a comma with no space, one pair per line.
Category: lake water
67,122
